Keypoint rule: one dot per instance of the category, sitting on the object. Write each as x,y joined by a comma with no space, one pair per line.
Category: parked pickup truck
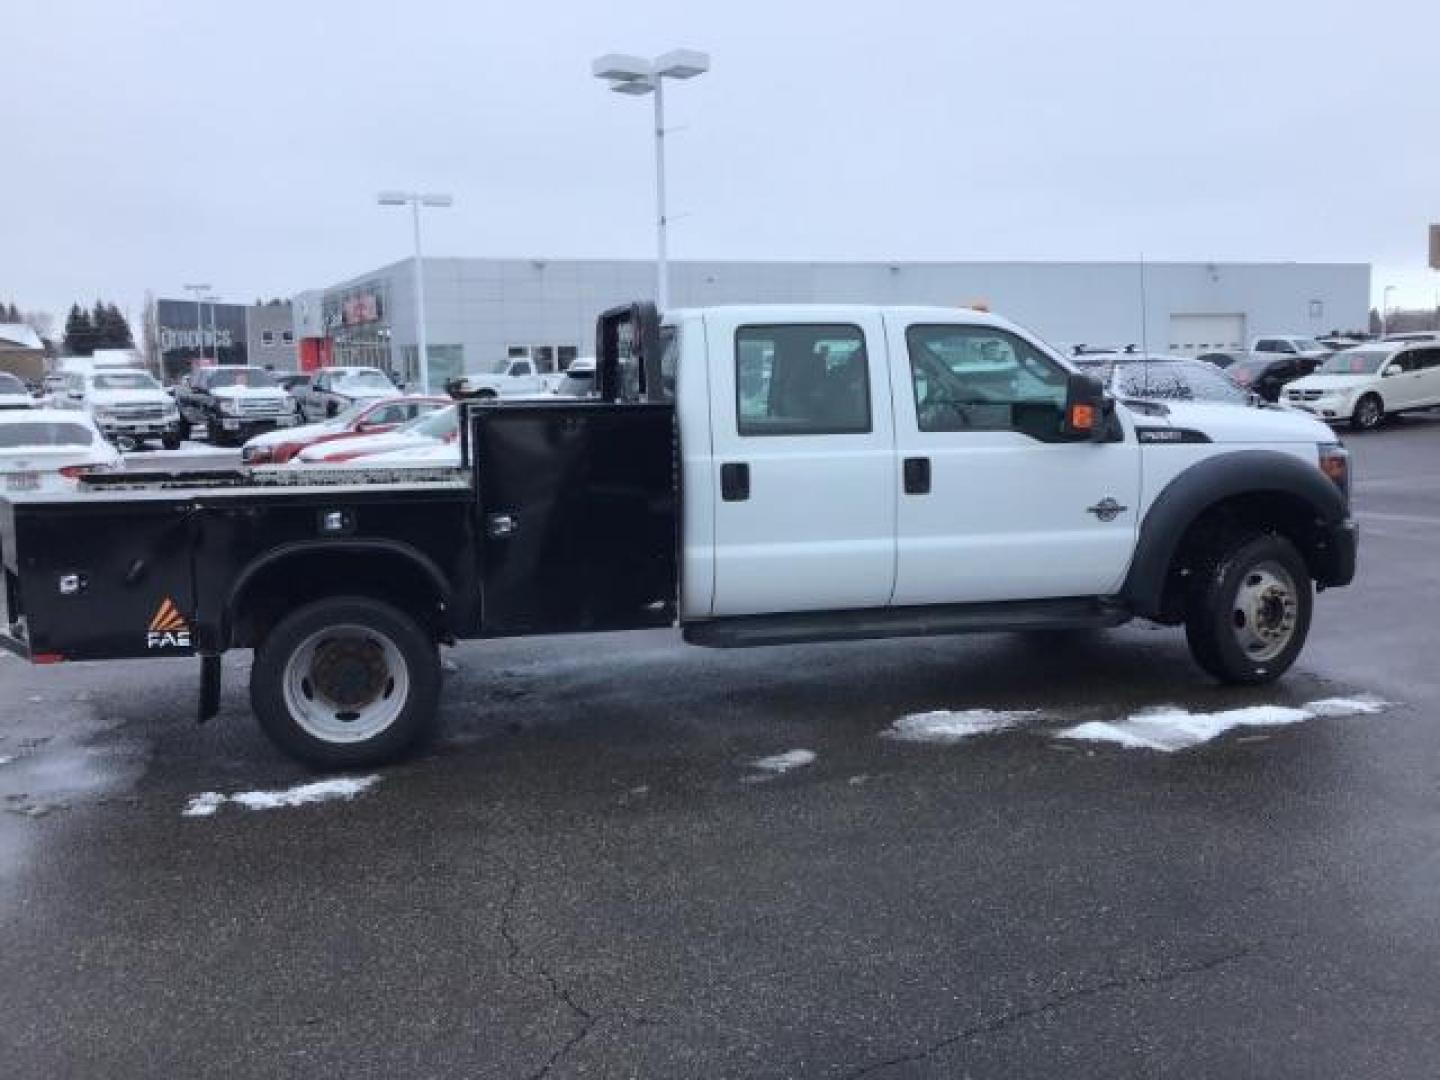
508,379
234,403
750,475
330,391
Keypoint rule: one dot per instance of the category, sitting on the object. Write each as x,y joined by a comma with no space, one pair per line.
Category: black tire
1222,623
184,428
170,442
1369,413
331,410
378,622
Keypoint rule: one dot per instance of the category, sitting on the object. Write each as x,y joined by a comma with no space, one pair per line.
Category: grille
139,412
1304,395
262,407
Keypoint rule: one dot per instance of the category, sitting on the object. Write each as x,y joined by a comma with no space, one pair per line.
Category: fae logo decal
168,629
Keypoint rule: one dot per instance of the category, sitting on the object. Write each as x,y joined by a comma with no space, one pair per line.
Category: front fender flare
1204,485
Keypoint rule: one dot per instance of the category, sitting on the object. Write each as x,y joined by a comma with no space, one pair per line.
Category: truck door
804,463
994,505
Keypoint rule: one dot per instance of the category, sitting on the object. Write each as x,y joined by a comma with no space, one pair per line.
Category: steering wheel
935,407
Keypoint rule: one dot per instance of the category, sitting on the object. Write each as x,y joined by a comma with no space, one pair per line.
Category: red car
363,418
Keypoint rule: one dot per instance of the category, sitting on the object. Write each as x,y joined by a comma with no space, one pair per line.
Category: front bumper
1338,550
1331,410
138,429
253,425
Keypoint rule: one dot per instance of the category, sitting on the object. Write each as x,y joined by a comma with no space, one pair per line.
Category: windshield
44,433
1356,362
364,380
1178,381
240,376
126,380
1309,345
9,384
442,424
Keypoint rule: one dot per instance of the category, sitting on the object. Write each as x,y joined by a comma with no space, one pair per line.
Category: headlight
103,414
230,407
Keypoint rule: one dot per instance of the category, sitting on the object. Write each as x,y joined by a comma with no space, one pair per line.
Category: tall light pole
638,76
214,337
199,290
1385,309
415,200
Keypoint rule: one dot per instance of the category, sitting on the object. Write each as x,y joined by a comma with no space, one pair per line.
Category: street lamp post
199,291
214,337
1385,309
637,76
415,200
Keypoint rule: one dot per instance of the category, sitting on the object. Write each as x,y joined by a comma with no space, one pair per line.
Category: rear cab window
802,379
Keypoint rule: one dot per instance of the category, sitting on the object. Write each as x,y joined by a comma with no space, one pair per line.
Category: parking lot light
415,200
637,76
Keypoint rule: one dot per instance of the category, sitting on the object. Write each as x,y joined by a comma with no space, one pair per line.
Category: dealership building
482,311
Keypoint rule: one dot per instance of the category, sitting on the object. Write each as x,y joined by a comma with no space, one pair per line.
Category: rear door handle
735,481
917,476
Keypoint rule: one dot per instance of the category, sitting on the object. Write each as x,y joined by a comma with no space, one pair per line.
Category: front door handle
735,481
917,476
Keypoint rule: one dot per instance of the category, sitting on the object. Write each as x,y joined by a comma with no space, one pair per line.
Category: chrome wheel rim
1369,413
1265,611
346,684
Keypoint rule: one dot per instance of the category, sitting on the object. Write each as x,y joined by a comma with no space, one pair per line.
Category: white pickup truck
750,475
509,378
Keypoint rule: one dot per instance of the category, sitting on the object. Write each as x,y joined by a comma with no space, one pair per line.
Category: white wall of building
489,305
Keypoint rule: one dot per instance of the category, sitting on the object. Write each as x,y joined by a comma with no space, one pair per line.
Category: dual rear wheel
346,682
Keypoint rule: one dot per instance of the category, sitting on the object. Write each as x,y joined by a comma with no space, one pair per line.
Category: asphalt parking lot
598,870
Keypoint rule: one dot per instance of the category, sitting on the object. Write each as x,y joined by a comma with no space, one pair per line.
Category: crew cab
1363,386
128,406
234,402
332,390
508,378
751,476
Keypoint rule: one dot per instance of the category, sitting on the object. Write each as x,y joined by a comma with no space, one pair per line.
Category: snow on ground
779,764
1168,728
944,726
208,802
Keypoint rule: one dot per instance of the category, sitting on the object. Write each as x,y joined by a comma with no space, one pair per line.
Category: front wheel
346,682
1369,411
1250,612
170,442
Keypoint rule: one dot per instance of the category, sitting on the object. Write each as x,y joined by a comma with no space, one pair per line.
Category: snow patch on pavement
944,726
208,802
779,764
1169,728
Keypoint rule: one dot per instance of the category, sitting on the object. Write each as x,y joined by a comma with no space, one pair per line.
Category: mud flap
209,688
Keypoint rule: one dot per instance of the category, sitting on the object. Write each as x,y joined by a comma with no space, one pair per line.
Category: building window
517,352
267,337
287,336
566,355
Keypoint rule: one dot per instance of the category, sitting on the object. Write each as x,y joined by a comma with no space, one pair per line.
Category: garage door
1191,335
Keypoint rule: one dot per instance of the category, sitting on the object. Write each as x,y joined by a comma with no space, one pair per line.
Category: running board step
743,631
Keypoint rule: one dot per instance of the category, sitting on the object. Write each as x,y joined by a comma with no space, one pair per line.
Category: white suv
1364,385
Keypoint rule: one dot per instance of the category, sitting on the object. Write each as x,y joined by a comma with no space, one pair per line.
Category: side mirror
1085,408
1393,369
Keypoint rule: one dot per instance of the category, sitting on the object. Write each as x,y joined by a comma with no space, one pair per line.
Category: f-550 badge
168,629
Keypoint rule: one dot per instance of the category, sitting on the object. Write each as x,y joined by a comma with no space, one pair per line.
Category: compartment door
578,516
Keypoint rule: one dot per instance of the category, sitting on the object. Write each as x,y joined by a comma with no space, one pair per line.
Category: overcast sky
149,143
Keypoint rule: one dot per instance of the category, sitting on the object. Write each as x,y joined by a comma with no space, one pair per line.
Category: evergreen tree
9,313
117,329
79,332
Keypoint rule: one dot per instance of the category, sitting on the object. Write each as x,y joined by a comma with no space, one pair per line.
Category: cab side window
982,378
802,380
